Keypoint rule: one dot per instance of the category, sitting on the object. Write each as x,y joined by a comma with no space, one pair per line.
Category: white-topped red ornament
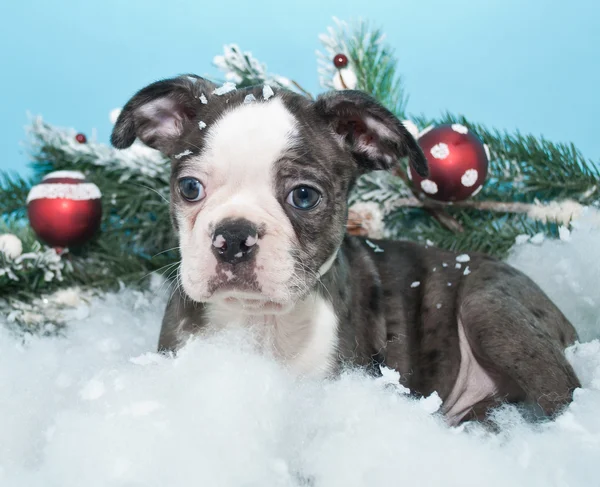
64,209
458,163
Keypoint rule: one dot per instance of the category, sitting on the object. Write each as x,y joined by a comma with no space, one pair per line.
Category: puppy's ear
372,134
158,113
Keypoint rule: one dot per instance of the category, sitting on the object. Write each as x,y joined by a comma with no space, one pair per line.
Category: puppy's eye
191,189
304,198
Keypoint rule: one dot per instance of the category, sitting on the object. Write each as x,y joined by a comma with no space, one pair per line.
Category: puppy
259,189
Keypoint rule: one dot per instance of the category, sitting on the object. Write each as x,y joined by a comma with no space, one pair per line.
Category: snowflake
203,99
227,87
186,152
201,125
267,92
440,151
411,127
429,186
469,178
461,129
249,98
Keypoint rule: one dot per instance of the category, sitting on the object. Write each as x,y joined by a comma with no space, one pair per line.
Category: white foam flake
203,99
440,151
461,129
411,127
201,125
376,248
521,239
429,186
467,271
76,415
427,129
227,87
469,178
431,403
415,284
249,98
564,233
75,192
114,115
186,152
267,92
538,238
462,258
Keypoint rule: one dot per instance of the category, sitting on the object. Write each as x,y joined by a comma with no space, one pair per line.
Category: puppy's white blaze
318,354
237,168
305,338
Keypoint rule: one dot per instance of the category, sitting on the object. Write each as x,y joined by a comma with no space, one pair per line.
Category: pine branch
13,193
373,61
243,69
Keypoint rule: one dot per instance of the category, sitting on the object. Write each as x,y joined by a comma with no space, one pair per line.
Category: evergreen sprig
136,239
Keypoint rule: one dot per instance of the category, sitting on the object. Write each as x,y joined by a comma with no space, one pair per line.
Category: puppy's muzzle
234,241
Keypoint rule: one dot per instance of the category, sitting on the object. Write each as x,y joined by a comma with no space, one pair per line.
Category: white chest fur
305,339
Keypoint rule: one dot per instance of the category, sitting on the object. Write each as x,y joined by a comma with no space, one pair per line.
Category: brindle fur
515,332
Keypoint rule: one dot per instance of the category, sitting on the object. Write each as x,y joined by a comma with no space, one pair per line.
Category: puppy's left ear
373,135
159,113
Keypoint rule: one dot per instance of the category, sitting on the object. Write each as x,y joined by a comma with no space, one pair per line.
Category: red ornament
458,163
64,210
81,138
340,61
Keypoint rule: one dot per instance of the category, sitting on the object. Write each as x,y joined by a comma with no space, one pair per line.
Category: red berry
340,61
81,138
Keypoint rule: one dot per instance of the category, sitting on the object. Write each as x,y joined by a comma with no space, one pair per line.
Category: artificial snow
186,152
227,87
96,406
267,92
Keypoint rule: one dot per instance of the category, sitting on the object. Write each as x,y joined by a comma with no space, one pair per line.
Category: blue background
529,64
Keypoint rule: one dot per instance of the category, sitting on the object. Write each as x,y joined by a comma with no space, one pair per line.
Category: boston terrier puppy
260,179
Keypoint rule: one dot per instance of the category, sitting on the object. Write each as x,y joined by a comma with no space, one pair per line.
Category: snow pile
98,407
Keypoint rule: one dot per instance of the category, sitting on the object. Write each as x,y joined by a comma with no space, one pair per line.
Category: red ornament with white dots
64,209
458,163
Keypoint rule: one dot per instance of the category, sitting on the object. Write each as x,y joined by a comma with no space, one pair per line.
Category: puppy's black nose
234,241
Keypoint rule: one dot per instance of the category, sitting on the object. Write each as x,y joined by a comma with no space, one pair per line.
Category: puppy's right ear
158,113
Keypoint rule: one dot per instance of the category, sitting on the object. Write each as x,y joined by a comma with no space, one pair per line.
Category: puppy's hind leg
519,336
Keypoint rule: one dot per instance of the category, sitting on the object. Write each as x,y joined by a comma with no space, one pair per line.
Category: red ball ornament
64,210
458,163
340,61
81,138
